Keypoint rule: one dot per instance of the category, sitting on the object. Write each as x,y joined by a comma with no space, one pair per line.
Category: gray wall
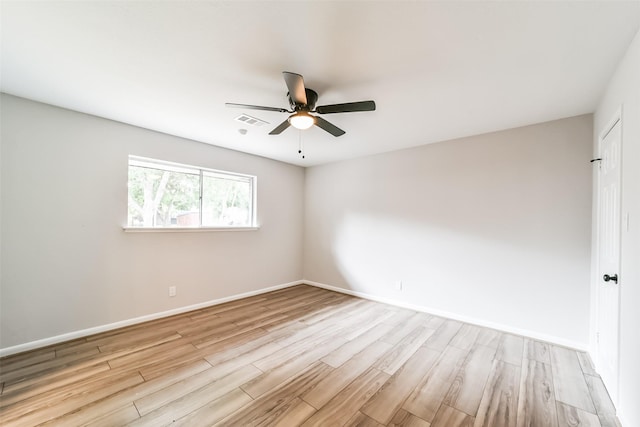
493,229
67,265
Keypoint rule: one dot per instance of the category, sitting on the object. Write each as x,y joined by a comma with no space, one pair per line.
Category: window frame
200,171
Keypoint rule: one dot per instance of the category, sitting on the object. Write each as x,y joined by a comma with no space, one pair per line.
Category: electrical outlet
172,291
398,285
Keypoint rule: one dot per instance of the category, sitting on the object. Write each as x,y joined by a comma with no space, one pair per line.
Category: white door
608,280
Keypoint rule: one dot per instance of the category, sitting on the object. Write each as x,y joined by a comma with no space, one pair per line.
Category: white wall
493,228
624,91
66,263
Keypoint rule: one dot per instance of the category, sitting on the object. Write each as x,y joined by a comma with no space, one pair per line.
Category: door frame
596,277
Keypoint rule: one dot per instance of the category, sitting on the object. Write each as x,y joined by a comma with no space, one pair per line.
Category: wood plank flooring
303,356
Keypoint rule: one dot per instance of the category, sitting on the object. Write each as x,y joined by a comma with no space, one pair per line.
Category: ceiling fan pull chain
300,147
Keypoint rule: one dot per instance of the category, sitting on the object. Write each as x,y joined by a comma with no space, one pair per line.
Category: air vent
251,121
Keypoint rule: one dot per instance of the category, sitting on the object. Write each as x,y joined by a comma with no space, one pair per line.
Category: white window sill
185,229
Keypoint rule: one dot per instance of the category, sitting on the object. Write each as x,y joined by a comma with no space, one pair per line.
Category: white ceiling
437,70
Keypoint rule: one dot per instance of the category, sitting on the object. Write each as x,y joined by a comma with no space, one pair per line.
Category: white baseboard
103,328
479,322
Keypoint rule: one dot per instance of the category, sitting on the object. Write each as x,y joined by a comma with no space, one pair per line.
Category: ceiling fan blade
295,84
347,107
257,107
332,129
280,128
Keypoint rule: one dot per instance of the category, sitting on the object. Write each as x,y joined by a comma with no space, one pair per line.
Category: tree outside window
164,194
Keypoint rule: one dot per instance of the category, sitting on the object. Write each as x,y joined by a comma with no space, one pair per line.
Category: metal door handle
613,278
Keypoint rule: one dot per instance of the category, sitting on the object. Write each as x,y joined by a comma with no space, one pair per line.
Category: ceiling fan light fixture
302,120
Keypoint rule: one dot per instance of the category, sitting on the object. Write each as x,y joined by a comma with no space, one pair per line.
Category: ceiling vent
251,121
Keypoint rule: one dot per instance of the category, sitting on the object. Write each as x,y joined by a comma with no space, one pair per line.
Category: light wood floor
303,356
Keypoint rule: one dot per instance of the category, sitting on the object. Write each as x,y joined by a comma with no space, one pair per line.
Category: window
170,195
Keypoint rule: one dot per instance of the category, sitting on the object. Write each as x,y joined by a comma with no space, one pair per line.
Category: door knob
613,278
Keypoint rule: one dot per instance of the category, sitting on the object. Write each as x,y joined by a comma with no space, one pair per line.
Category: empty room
320,213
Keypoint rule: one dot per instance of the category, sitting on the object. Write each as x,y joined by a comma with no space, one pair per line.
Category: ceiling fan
303,102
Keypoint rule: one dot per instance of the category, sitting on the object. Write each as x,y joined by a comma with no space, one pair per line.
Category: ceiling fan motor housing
312,98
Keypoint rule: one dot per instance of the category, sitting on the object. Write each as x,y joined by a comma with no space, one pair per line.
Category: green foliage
164,198
225,201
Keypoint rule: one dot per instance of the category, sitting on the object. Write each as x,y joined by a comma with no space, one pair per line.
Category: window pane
164,194
163,198
226,200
